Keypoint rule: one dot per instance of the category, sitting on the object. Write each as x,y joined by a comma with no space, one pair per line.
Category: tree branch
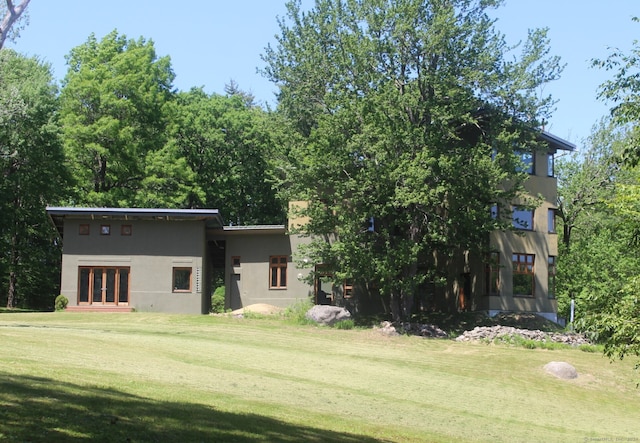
12,15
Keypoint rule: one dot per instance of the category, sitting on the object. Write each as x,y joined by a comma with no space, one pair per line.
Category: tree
32,174
410,112
226,142
113,111
11,15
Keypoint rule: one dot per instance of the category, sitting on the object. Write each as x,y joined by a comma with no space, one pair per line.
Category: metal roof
557,142
211,217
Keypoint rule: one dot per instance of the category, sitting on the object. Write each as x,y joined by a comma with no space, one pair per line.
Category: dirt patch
259,308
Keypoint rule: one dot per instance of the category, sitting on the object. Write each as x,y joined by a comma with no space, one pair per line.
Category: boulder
327,315
561,370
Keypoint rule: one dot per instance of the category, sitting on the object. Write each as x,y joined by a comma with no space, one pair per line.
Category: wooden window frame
126,230
176,269
84,229
278,271
524,264
117,285
105,229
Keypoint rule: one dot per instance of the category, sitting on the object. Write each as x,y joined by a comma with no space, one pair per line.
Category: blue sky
211,42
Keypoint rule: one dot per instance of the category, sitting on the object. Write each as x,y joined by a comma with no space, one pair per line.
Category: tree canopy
410,111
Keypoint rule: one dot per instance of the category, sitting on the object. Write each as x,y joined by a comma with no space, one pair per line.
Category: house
170,260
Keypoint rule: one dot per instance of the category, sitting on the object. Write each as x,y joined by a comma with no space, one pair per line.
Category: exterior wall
152,250
249,283
538,241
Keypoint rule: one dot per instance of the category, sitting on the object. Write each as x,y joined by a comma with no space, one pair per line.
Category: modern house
169,260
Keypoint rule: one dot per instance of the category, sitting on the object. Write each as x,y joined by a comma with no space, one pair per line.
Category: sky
212,42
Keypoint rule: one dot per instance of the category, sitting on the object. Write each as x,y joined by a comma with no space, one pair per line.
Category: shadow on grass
39,409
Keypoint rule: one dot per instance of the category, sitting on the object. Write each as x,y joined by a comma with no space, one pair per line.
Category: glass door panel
110,287
97,285
83,297
123,287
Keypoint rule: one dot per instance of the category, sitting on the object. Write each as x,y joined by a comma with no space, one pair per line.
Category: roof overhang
211,217
556,143
255,229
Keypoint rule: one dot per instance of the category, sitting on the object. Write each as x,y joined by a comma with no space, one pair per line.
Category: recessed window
235,261
523,275
125,230
527,162
105,229
552,277
181,279
84,229
492,274
494,211
550,165
551,216
278,271
522,218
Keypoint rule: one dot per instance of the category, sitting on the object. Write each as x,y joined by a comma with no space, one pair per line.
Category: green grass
153,377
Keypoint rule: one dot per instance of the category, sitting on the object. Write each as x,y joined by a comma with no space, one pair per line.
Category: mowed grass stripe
401,388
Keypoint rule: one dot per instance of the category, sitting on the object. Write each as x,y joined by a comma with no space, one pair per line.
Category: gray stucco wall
152,250
249,283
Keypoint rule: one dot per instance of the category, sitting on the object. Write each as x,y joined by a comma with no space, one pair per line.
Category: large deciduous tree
410,111
10,17
113,114
32,175
226,142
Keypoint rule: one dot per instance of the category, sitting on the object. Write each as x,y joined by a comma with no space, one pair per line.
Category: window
235,261
105,229
494,211
278,271
181,279
125,230
492,274
552,277
523,274
84,229
527,162
551,216
550,165
103,285
522,218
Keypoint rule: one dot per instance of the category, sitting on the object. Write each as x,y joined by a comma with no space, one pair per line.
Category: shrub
296,312
61,303
217,300
345,324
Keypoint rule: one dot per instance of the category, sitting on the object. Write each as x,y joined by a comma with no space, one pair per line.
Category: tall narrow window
552,277
278,271
181,279
551,216
522,218
523,275
550,165
492,274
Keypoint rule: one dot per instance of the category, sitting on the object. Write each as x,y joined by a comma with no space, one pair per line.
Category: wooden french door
103,285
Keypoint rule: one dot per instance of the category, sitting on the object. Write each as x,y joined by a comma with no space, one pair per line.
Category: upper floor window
522,218
551,165
551,216
527,160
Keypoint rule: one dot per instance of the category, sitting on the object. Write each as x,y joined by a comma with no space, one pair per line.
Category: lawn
168,378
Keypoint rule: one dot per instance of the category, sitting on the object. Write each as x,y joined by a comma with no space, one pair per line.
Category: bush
61,303
345,324
296,312
217,300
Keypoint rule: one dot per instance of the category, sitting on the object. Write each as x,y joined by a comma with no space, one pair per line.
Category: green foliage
218,300
61,303
113,110
344,324
399,108
296,312
32,175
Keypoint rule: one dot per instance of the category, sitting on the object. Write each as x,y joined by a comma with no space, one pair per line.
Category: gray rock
561,370
327,315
